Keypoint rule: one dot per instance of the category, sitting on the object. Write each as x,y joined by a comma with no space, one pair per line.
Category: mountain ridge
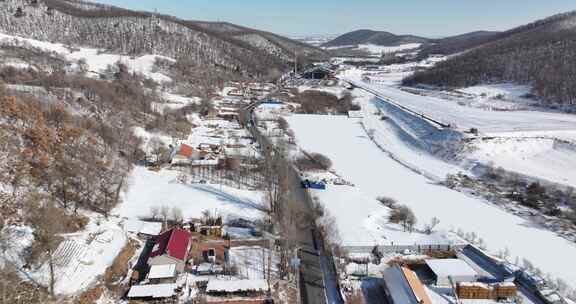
540,54
381,38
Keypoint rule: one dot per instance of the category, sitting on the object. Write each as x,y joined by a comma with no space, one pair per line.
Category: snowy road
356,158
464,118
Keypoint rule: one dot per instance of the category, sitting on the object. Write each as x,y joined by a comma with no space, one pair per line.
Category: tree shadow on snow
244,203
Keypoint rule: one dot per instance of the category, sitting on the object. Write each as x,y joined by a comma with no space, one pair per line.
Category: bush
403,215
314,161
387,201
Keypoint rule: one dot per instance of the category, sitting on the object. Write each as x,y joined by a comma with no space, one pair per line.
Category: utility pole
295,67
295,61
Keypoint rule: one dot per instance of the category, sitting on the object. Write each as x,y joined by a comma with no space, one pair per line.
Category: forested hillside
458,43
541,54
374,37
122,31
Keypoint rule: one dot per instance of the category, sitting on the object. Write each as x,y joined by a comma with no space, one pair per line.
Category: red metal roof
174,242
186,150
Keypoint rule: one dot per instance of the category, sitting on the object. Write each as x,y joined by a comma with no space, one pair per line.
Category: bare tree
45,219
428,228
154,212
164,211
177,215
156,147
403,215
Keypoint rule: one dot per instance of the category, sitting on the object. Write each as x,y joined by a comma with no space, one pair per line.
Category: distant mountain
541,54
374,37
209,46
458,43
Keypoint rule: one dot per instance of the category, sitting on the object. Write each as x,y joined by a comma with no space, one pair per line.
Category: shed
355,114
152,291
162,271
456,269
143,228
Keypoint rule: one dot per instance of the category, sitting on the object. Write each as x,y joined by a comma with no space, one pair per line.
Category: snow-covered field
150,189
464,118
378,49
95,60
505,90
80,258
537,157
363,221
529,142
359,160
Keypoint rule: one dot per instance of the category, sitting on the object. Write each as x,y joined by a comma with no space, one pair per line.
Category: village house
228,113
210,251
172,247
184,155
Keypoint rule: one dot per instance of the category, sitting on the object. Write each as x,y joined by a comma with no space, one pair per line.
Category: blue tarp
307,184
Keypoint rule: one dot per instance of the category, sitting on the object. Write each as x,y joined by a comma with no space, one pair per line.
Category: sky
431,18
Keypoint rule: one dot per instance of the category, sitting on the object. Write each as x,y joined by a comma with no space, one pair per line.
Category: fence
402,248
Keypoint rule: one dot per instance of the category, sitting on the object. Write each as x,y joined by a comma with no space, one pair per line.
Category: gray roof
398,287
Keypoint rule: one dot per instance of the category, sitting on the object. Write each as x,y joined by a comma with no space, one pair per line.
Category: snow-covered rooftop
152,291
138,226
450,267
162,271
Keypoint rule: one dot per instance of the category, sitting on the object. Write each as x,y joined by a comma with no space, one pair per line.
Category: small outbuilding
142,228
158,291
451,269
162,274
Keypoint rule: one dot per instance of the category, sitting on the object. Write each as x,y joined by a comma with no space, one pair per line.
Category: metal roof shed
457,270
398,288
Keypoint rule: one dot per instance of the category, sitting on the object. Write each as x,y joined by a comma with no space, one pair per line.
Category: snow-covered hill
136,33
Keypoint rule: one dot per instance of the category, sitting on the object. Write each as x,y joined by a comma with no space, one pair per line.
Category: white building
446,269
